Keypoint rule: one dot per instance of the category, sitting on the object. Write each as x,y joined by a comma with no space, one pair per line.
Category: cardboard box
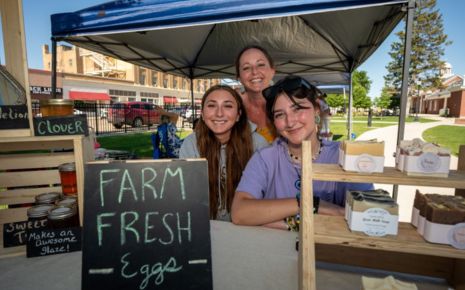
362,156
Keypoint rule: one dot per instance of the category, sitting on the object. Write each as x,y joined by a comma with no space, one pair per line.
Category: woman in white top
224,137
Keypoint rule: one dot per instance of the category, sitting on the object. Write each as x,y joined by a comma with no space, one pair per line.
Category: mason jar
63,217
48,198
38,214
56,107
68,178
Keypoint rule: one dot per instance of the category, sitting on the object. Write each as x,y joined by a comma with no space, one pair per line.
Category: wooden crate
29,166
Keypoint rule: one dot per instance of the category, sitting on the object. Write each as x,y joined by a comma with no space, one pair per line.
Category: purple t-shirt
270,174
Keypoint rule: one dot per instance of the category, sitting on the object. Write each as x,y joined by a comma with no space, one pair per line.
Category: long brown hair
239,149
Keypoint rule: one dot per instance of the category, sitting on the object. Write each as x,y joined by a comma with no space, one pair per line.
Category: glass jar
68,178
56,107
48,198
69,201
63,217
38,214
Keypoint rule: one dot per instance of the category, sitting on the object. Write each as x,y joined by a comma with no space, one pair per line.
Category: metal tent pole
349,112
405,78
54,68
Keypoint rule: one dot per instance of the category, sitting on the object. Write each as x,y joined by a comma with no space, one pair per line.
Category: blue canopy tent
325,41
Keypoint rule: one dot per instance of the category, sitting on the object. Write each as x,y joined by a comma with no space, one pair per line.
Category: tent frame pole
54,68
194,113
349,111
405,78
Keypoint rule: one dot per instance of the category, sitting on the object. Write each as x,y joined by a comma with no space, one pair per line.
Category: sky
37,25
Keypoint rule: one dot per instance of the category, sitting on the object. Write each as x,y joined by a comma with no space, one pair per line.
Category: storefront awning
88,96
169,100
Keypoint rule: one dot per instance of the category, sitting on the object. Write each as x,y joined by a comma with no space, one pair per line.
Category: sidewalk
406,194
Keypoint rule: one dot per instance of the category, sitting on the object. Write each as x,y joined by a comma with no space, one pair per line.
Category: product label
365,163
429,162
457,236
375,222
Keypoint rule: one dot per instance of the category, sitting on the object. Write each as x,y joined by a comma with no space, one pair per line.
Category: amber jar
56,107
48,198
68,178
39,213
63,217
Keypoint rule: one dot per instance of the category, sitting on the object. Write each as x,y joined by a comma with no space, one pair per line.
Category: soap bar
373,148
369,283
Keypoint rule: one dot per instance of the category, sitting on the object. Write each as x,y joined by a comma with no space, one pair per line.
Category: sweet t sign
146,225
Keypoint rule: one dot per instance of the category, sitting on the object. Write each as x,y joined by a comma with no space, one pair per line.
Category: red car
137,114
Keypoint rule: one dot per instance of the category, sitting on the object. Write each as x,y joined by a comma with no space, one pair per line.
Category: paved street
406,194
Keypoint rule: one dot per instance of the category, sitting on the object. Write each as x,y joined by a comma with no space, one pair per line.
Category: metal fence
103,123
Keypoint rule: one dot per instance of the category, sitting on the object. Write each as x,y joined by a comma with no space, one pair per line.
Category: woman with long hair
224,137
255,70
269,190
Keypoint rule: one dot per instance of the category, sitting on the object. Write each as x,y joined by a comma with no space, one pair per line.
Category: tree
428,44
361,86
384,101
335,100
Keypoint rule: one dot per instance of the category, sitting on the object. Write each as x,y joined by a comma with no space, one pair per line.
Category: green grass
138,143
446,136
393,119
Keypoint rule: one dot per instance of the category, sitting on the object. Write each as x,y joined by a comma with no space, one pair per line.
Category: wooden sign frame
15,57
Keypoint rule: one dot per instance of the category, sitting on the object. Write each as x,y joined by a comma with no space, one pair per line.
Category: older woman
268,190
255,70
223,136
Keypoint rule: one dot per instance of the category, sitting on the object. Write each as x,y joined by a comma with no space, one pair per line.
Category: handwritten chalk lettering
8,113
17,230
127,189
156,270
53,241
46,127
141,229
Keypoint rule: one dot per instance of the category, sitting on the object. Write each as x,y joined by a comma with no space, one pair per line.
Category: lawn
138,143
446,136
339,129
394,119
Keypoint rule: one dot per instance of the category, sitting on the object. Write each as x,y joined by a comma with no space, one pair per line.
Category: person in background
167,143
325,115
269,191
255,70
224,137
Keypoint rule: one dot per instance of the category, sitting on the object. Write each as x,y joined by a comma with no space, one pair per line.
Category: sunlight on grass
446,136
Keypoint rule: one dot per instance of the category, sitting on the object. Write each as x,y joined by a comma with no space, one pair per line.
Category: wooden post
14,44
307,279
461,167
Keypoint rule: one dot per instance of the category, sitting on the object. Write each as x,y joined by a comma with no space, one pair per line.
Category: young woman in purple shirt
267,192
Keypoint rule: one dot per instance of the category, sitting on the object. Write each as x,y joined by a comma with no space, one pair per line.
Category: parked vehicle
137,114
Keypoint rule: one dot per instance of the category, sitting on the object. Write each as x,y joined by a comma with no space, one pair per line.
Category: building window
142,76
165,81
175,82
70,62
154,78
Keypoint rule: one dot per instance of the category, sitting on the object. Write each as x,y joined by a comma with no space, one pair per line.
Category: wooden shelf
333,172
333,230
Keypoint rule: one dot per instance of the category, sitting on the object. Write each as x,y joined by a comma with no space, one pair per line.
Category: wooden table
243,258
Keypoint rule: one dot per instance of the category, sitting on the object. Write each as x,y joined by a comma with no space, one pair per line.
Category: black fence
104,122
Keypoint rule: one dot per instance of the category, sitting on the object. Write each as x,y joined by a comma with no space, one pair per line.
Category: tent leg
54,68
349,111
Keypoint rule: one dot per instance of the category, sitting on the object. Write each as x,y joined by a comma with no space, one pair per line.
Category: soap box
428,163
374,216
362,156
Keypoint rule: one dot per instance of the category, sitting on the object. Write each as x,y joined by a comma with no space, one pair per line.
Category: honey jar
56,107
39,213
63,217
48,198
68,178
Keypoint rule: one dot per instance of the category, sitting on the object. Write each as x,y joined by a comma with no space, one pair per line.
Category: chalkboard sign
14,117
44,242
146,225
61,125
14,234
